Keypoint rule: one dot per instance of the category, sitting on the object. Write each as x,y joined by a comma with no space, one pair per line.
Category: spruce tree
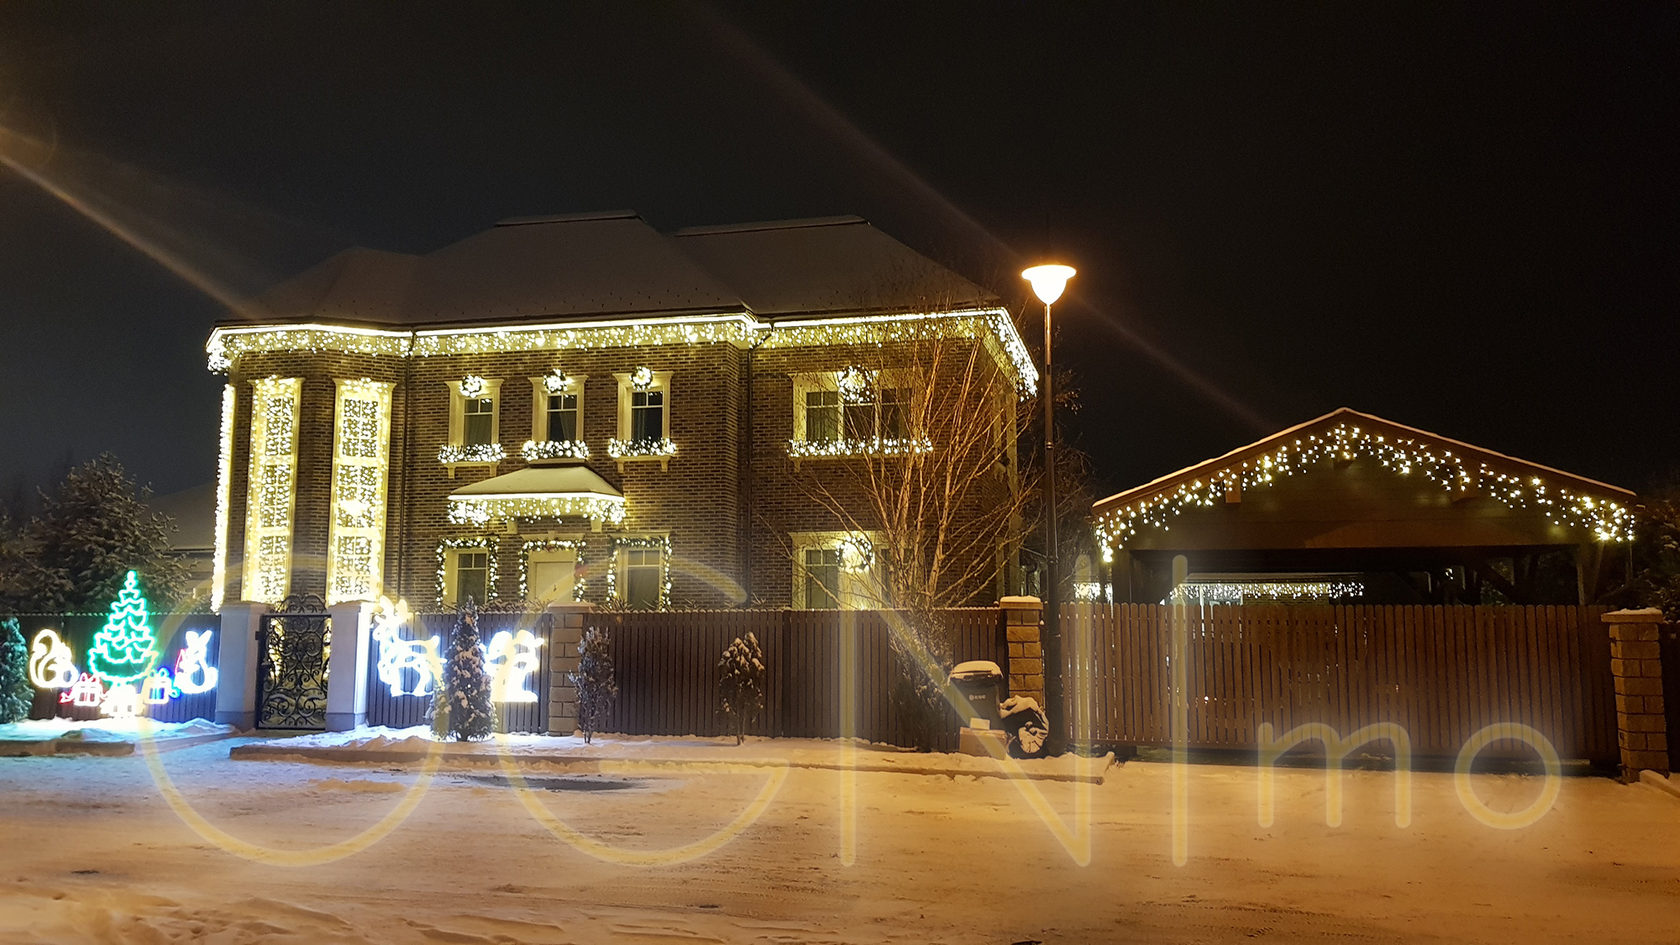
462,707
593,679
741,684
16,694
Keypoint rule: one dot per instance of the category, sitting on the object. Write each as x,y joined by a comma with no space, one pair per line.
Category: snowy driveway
93,853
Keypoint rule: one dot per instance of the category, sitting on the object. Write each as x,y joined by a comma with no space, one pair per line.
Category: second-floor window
647,414
478,421
879,414
822,416
561,411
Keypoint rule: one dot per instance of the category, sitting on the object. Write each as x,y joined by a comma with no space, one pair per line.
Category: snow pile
107,730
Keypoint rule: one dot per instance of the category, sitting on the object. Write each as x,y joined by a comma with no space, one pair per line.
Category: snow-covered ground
65,734
189,846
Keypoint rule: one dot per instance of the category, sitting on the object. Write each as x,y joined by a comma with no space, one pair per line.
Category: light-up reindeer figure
511,660
397,654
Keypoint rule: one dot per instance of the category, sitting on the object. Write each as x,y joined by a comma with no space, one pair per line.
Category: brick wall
723,550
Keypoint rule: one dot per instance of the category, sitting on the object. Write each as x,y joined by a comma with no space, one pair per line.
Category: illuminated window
466,568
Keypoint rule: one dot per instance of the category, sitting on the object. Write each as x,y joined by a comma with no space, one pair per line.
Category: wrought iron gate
292,651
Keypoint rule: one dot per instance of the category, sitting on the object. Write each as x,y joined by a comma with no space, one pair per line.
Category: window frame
660,544
862,589
458,422
449,553
539,408
626,389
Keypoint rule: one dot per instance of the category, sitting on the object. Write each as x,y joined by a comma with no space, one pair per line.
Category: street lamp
1048,283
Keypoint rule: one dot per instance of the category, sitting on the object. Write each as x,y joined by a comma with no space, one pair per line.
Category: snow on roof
827,265
591,264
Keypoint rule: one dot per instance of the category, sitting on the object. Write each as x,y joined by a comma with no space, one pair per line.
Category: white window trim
661,383
858,590
539,406
802,447
457,421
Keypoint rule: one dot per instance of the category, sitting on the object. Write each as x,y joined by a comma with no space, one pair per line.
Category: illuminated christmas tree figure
124,649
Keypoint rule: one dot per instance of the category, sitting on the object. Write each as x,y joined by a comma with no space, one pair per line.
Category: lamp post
1048,283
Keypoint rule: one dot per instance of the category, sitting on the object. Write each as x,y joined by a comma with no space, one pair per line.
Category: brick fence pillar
563,659
1022,619
1636,666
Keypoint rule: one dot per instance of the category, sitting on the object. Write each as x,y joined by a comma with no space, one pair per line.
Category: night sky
1465,218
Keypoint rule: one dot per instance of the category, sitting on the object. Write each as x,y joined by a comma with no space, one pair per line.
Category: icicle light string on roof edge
1609,520
992,325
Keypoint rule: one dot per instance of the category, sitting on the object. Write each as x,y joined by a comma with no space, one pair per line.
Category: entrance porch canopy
542,490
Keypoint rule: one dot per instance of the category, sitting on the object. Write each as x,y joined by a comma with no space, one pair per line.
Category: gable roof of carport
1348,433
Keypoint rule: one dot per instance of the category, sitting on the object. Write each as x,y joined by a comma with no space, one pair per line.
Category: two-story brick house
582,407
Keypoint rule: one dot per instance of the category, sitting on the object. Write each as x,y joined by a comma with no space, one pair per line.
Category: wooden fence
1441,673
402,711
77,630
829,672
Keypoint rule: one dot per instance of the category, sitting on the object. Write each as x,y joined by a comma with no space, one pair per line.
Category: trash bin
981,683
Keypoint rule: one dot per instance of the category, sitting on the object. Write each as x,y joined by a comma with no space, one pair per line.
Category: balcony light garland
551,544
554,449
645,446
486,544
480,510
868,447
993,325
450,453
1609,521
661,542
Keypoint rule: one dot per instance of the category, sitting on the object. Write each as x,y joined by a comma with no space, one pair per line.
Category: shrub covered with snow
593,678
462,707
741,684
15,691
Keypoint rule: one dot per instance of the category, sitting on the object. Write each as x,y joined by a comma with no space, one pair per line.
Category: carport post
1636,667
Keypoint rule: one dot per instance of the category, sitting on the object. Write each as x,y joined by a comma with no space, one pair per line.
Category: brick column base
563,660
1023,619
1636,668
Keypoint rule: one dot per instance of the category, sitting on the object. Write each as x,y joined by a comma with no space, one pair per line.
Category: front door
551,575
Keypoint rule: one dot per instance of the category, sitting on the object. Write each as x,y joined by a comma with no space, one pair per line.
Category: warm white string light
554,449
481,509
1608,520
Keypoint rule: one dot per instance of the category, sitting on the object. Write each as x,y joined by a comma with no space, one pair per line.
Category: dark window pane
647,423
822,578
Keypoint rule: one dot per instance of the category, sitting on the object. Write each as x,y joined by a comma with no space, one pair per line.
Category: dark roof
584,265
1214,468
833,264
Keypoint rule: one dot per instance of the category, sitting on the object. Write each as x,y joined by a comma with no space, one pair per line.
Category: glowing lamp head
1048,281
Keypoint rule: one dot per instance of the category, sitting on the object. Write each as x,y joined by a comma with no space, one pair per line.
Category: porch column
563,656
1022,618
1636,666
347,665
236,684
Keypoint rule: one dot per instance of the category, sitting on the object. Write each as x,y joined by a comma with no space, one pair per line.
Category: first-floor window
643,577
822,578
472,576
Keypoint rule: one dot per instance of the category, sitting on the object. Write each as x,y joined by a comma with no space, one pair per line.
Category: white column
236,685
347,666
